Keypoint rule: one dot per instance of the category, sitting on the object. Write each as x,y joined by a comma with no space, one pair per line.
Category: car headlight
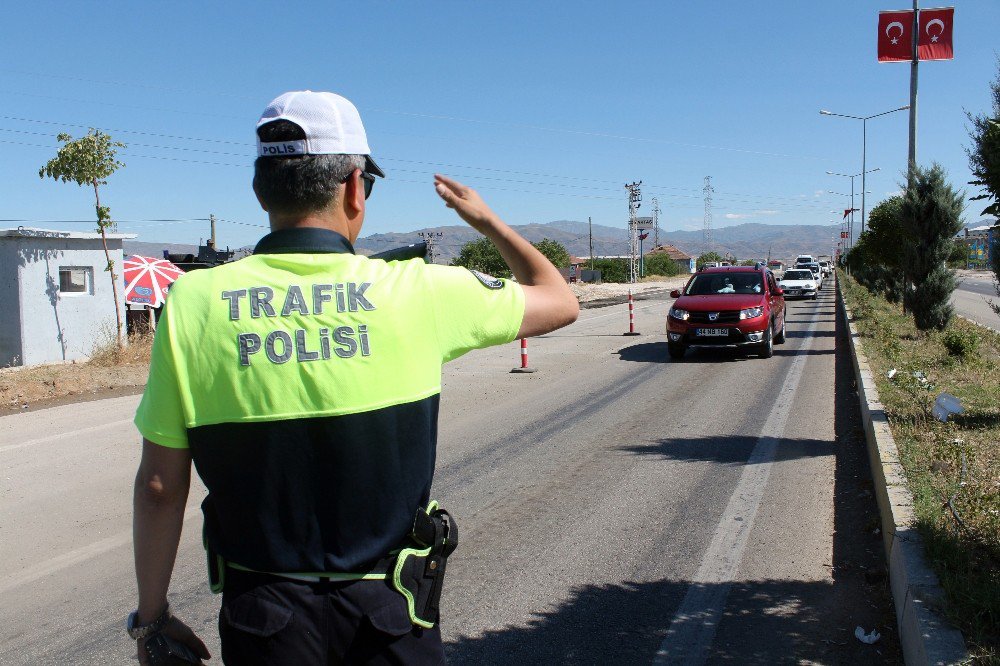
751,313
677,313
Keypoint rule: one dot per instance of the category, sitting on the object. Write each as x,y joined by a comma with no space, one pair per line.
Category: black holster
419,570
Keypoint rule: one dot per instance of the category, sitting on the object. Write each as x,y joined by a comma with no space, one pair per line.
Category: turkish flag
894,36
934,39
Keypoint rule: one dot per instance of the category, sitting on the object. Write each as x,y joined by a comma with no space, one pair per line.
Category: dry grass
953,468
107,370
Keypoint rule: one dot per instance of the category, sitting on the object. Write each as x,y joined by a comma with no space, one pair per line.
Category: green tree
554,251
660,263
931,214
483,256
708,257
90,160
612,270
959,255
877,258
984,153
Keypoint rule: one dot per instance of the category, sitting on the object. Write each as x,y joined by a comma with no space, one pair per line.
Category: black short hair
300,184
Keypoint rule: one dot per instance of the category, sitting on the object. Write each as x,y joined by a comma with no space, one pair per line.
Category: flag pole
915,35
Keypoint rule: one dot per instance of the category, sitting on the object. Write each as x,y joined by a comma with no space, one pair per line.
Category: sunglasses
368,180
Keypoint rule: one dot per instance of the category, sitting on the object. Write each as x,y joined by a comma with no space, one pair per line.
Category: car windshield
725,283
798,275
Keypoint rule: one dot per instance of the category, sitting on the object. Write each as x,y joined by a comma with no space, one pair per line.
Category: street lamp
850,222
864,145
863,191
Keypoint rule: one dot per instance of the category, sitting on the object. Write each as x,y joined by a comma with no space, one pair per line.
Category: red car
731,306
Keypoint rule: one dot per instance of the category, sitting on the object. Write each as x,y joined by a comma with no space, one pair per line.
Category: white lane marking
693,626
63,435
77,555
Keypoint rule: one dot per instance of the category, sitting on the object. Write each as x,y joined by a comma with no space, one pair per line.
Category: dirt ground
106,374
597,292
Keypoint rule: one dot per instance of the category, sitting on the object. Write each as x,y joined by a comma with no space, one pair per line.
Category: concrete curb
924,634
977,323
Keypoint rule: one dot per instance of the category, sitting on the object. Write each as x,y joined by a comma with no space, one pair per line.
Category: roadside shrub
612,270
659,264
931,215
961,342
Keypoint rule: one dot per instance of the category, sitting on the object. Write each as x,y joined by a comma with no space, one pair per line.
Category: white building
55,295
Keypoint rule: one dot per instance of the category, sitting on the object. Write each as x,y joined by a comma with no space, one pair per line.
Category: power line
558,130
736,197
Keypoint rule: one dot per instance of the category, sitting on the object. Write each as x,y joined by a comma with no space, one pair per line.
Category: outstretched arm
548,302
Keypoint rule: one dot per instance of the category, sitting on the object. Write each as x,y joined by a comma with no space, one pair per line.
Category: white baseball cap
331,123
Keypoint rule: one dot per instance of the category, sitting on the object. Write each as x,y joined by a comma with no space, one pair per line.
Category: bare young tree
90,160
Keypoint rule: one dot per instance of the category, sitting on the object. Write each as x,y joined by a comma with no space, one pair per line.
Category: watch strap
138,632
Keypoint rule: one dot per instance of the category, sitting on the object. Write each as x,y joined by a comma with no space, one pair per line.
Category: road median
926,636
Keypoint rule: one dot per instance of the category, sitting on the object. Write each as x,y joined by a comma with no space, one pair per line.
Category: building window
76,280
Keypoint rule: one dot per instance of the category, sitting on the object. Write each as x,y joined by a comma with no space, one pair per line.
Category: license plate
709,332
793,292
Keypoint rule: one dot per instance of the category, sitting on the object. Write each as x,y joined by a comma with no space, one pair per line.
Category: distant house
685,262
56,294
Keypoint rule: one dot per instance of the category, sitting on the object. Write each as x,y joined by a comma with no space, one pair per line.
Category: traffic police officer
303,382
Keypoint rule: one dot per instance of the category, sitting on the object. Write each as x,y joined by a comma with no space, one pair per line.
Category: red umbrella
148,280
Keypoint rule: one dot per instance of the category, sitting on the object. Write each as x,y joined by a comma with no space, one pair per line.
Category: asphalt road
970,299
615,507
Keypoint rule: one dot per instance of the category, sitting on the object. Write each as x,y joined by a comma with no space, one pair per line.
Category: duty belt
416,571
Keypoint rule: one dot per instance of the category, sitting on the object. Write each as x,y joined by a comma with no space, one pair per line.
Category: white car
799,283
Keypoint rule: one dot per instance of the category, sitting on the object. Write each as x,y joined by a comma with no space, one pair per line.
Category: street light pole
912,158
864,152
863,193
864,148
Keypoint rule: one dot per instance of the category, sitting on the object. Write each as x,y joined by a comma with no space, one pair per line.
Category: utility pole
707,227
211,222
912,160
430,237
634,201
590,227
656,223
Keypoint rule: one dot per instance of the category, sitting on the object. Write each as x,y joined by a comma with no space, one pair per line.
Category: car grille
725,317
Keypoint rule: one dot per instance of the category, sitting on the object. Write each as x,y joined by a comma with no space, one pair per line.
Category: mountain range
744,241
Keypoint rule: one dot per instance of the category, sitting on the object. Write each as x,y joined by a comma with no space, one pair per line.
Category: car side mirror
676,293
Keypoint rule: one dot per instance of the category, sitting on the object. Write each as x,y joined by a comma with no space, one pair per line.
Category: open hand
464,200
181,633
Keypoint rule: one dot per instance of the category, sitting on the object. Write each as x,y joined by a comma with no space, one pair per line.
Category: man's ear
257,194
354,195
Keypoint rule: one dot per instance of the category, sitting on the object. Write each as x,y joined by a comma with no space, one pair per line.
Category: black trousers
273,621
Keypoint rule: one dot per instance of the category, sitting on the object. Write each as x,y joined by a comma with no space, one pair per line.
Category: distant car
804,259
816,270
826,267
733,306
799,283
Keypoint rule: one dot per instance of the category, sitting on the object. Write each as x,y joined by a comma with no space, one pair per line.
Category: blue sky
547,108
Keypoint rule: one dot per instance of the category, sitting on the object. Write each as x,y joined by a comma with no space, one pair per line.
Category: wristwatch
137,631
